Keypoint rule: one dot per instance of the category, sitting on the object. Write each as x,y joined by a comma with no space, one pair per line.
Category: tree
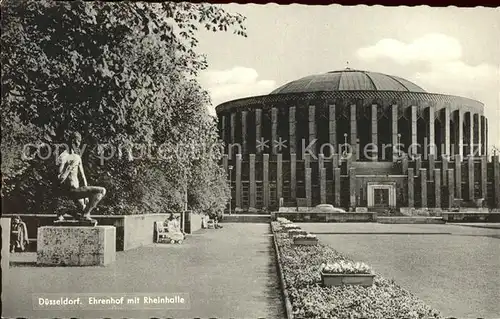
122,74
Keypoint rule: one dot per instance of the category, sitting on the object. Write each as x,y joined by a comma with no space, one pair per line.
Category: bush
123,75
310,300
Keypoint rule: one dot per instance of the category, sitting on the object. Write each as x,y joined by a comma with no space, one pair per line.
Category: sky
444,50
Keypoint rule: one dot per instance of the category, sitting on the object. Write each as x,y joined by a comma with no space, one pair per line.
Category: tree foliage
122,74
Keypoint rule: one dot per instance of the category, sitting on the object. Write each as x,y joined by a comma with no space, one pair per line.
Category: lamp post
344,152
230,187
184,212
399,144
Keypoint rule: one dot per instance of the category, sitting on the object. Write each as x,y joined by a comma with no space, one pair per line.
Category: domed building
353,139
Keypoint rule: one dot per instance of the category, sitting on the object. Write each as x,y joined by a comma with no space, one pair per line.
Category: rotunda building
353,139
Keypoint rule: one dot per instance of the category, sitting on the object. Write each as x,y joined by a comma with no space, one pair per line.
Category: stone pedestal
76,246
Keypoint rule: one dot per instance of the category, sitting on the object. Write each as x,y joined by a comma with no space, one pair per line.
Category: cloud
234,83
445,70
431,47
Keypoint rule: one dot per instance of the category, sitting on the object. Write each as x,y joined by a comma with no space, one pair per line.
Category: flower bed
301,267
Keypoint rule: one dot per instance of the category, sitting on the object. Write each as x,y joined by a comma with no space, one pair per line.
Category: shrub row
301,270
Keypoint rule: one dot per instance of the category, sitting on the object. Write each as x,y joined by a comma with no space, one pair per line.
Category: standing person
70,170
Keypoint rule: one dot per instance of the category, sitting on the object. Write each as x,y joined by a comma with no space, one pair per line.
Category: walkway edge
284,291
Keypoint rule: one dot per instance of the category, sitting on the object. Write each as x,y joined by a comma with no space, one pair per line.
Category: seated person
173,224
215,216
18,235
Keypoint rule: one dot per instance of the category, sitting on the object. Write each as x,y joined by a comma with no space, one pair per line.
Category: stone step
246,218
410,220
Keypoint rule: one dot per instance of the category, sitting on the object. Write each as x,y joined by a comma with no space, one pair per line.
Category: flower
291,226
304,236
345,267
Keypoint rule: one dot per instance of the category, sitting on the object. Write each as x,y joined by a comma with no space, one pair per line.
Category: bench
161,232
162,235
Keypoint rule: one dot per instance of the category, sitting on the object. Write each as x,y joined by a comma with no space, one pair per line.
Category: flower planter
305,241
294,232
329,280
286,229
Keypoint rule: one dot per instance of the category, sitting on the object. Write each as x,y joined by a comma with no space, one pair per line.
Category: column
437,188
244,131
470,175
451,193
445,170
460,139
332,127
238,182
352,187
404,164
432,166
322,184
225,163
293,177
484,177
307,160
447,131
458,176
223,127
335,161
411,191
233,127
479,139
374,130
423,187
258,127
291,130
413,128
312,125
348,163
321,161
394,131
253,188
496,180
471,133
308,187
432,140
274,129
474,134
418,165
486,151
354,133
336,187
265,180
279,177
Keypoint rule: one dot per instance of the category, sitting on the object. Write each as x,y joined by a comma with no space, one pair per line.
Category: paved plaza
453,268
228,273
232,272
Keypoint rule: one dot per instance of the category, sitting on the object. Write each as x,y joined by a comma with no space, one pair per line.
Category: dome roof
348,80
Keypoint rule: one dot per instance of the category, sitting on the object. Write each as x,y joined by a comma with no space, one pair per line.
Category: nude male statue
70,167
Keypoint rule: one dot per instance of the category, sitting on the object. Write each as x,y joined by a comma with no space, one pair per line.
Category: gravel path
228,273
454,269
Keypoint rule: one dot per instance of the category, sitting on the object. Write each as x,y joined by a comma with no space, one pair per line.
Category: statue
70,170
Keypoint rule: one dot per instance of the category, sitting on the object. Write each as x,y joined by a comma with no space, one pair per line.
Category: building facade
354,138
